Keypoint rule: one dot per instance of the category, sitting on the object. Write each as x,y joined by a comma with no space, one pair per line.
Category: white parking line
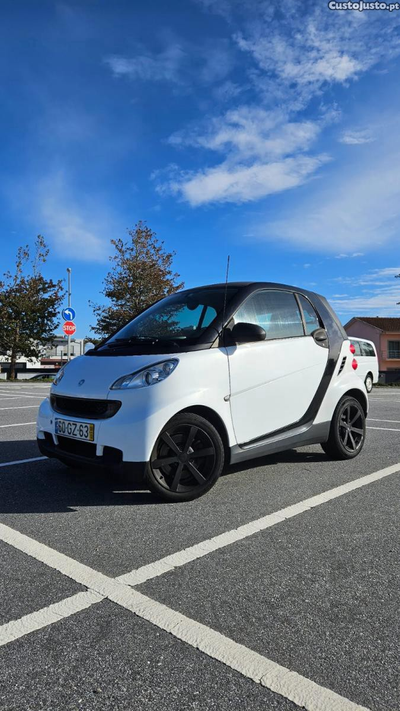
19,424
14,396
167,564
298,689
383,399
387,429
15,393
19,407
22,461
48,615
377,419
9,397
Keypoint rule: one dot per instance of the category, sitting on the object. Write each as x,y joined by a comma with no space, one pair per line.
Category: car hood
87,376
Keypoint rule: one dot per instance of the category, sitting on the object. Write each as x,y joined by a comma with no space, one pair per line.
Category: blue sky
263,130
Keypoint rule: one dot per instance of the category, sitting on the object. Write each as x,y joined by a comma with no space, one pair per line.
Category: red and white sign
69,328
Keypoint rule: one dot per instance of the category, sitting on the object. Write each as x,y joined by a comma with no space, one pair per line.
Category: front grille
84,407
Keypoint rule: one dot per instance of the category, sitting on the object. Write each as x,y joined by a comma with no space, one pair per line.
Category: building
54,355
56,351
385,334
29,366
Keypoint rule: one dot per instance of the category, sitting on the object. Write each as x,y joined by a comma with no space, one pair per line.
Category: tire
347,431
369,383
176,470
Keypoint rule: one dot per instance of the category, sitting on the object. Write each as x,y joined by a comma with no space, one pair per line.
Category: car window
367,349
276,312
311,319
183,315
357,346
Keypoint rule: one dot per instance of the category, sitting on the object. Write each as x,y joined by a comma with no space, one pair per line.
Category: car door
273,382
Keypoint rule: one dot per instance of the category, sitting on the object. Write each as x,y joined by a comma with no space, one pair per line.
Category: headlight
146,376
59,375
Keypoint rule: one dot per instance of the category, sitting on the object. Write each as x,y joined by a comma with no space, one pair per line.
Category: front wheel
186,460
347,432
369,383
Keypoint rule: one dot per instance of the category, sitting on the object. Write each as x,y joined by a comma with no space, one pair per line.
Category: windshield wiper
121,342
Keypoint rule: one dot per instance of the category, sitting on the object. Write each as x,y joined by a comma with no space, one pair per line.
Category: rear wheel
347,432
186,460
369,383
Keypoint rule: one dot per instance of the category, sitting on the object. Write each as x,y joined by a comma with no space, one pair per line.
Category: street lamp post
69,304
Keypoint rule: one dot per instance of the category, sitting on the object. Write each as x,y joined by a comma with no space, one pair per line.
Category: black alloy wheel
351,426
347,432
187,459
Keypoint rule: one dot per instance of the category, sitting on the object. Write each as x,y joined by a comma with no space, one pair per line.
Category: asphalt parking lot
277,590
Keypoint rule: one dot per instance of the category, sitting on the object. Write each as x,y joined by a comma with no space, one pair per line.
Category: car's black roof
255,284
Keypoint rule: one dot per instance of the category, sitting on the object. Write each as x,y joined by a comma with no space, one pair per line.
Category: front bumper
131,430
72,452
121,442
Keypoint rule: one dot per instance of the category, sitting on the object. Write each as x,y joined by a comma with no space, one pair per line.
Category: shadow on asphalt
48,486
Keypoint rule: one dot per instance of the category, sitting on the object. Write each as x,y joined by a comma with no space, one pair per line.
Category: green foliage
29,305
141,274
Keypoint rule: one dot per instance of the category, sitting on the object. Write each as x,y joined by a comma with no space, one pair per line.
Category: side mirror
247,333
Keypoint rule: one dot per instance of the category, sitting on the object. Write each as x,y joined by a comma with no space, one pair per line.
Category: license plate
75,430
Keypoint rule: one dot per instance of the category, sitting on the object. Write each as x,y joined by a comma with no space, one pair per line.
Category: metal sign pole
69,304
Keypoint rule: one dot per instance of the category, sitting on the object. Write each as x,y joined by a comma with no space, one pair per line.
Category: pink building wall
392,362
360,329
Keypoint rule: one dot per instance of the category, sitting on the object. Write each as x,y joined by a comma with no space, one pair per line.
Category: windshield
184,316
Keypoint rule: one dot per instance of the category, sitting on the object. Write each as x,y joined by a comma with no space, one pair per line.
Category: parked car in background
367,359
384,332
44,377
209,377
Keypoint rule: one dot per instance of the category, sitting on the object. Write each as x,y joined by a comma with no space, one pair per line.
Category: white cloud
305,59
382,303
361,208
349,256
165,66
375,276
295,58
227,91
299,55
356,138
265,155
78,230
250,132
238,183
379,299
180,63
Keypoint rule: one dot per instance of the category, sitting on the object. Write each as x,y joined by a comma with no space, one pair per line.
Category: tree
29,306
141,274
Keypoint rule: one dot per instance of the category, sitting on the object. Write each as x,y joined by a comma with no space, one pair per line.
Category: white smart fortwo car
207,377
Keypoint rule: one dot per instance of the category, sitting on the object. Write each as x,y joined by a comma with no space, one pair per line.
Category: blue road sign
68,314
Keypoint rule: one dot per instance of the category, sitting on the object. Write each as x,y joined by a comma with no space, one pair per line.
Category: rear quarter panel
341,384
